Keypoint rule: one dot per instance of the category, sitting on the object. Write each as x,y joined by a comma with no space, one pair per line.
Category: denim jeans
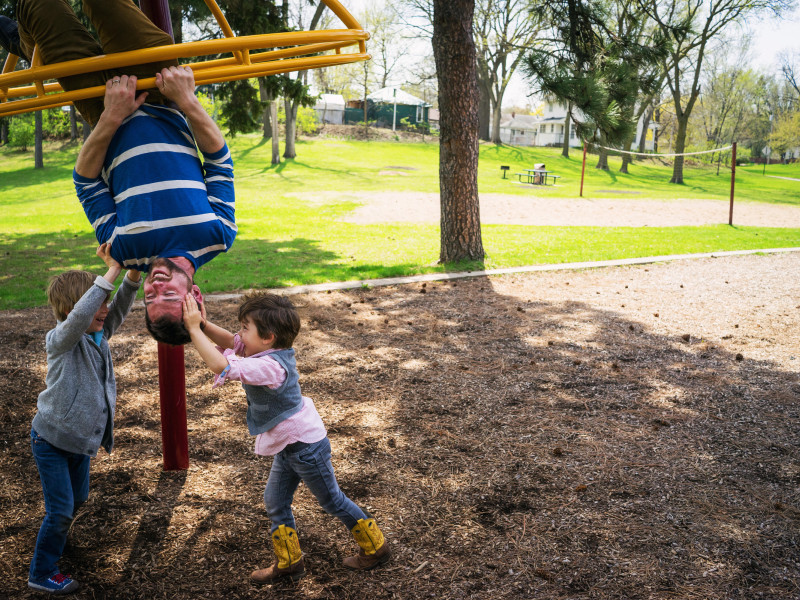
65,483
311,464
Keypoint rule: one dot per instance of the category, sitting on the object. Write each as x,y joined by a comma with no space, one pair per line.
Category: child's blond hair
64,291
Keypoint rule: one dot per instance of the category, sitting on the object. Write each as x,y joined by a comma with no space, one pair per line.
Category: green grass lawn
285,239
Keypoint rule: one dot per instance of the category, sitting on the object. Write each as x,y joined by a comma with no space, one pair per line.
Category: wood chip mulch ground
628,432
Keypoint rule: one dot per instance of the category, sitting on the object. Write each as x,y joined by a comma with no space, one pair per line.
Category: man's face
164,289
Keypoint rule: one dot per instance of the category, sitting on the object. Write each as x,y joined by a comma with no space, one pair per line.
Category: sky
769,39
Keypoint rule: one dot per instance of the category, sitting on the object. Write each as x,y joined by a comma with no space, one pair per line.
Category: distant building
545,130
330,109
433,119
519,130
391,105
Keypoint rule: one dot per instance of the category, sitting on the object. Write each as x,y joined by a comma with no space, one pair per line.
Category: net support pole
583,167
171,362
733,182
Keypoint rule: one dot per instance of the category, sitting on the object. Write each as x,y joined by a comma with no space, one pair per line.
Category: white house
330,108
546,130
519,130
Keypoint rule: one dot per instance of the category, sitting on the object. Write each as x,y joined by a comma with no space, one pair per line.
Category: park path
506,209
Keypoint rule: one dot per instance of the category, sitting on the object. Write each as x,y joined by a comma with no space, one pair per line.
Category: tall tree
596,59
790,67
693,26
454,51
503,30
726,101
386,44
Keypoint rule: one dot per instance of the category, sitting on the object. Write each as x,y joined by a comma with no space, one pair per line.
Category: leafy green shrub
21,131
55,123
307,122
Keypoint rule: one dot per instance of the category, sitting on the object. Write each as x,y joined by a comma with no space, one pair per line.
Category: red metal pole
172,395
583,167
733,182
171,363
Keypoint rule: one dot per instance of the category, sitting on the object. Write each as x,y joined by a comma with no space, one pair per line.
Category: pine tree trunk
626,158
289,150
454,52
680,145
273,116
602,160
38,162
567,123
266,97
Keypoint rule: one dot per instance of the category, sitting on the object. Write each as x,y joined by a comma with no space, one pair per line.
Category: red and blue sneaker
56,584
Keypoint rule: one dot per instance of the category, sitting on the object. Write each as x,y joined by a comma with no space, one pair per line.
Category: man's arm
177,84
120,102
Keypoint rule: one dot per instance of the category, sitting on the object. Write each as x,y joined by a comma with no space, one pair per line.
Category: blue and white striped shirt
154,198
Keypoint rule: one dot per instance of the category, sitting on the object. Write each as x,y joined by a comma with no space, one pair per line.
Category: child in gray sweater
75,413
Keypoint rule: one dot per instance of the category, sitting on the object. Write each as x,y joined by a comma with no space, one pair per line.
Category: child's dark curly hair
272,315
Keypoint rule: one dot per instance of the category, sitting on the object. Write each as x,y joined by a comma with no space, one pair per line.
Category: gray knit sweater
76,411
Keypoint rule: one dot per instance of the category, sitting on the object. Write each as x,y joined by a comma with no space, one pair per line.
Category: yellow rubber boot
374,548
289,559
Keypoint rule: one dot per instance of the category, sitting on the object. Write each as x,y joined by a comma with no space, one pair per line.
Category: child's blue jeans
65,483
311,464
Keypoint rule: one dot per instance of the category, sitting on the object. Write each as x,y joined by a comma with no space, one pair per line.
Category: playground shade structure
252,56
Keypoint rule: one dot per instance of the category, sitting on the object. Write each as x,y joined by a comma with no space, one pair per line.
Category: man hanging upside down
138,176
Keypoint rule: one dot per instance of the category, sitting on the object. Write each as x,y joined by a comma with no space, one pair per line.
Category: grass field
285,240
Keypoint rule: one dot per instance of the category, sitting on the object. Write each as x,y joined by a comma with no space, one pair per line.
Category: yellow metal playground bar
33,89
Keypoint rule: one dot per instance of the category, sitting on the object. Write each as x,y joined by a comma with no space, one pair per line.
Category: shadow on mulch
509,447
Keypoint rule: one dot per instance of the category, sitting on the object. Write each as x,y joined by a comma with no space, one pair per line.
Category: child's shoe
374,548
289,562
56,584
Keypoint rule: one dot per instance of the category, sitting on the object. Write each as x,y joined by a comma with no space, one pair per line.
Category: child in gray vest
286,425
75,414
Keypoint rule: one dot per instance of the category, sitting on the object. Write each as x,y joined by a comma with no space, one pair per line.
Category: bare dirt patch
507,209
617,433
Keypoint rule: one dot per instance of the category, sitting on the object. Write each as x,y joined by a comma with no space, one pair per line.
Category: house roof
519,122
332,101
388,96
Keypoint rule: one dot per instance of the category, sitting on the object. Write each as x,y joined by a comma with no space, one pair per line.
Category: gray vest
267,407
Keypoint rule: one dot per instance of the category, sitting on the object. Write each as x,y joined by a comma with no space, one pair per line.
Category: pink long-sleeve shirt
260,369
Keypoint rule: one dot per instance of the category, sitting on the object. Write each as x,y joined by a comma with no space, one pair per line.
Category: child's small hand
104,253
192,318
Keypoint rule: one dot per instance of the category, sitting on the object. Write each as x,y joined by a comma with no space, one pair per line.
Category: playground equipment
243,65
33,89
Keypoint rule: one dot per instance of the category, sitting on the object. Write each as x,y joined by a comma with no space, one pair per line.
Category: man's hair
167,330
64,291
272,315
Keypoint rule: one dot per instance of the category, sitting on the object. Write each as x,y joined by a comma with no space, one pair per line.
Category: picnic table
537,176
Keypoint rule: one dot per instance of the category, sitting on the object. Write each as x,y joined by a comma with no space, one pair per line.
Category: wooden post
583,167
171,363
733,182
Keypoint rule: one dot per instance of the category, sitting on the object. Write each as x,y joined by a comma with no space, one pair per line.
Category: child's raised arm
114,268
192,319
